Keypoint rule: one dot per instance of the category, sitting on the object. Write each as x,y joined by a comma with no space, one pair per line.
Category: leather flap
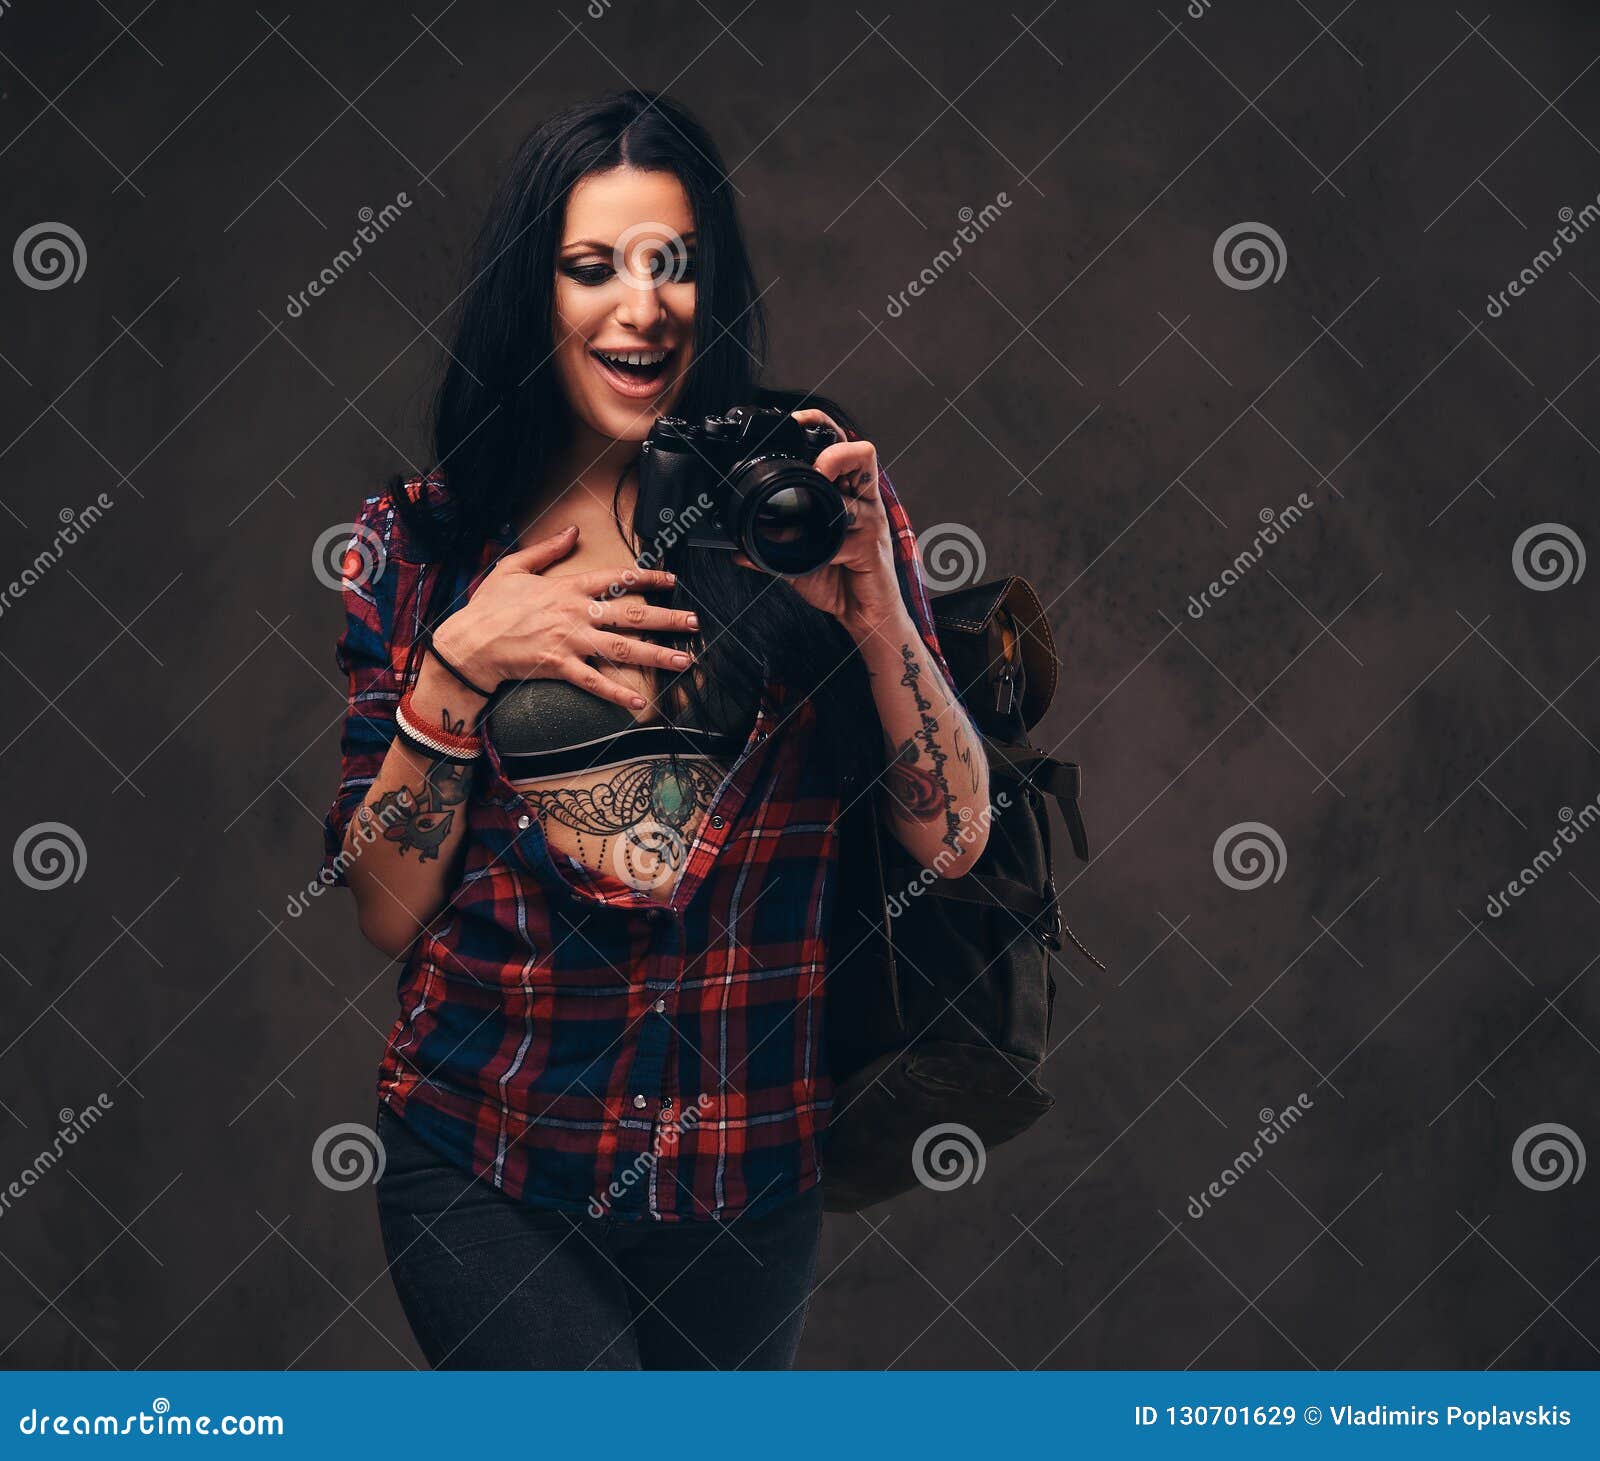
972,610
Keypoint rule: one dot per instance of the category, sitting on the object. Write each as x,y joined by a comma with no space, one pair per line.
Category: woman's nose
641,303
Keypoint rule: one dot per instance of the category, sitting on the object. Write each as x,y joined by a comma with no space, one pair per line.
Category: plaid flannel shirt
558,1039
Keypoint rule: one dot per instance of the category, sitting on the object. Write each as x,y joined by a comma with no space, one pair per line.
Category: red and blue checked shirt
559,1040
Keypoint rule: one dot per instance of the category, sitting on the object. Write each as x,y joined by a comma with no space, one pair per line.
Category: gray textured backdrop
1086,393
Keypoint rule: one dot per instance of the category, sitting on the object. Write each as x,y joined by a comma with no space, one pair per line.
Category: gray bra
549,727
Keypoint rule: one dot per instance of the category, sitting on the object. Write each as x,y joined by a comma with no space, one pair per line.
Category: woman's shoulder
381,520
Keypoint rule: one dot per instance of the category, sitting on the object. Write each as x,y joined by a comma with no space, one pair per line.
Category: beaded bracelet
434,742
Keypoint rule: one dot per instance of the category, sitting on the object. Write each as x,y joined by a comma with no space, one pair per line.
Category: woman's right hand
521,625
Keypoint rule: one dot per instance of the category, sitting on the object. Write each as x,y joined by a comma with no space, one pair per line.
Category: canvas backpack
939,995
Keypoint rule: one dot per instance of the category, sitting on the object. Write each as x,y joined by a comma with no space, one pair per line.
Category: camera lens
786,516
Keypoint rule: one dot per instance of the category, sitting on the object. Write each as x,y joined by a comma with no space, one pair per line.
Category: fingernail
680,660
694,621
638,702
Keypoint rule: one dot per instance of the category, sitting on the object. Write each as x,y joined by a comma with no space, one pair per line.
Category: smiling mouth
635,372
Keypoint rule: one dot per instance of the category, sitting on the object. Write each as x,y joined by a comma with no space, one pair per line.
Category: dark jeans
489,1283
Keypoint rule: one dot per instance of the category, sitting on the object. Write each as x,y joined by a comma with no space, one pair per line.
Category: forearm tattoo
419,819
915,776
964,754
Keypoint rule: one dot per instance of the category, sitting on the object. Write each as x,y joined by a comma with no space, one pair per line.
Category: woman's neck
591,462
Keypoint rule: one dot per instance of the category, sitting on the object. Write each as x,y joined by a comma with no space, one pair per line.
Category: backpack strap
1061,779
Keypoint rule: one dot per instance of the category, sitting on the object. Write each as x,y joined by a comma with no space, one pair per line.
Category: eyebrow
605,248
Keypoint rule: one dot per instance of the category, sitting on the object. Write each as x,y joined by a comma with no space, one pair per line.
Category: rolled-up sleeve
365,653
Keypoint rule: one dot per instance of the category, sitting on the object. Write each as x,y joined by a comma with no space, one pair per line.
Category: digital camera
743,481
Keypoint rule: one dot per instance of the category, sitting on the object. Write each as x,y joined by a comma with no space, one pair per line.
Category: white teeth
633,357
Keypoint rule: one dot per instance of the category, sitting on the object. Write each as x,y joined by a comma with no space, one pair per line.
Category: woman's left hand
857,586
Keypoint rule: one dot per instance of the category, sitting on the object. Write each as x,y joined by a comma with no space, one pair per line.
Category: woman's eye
591,275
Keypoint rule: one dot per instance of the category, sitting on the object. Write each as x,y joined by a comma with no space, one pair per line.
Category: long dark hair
499,424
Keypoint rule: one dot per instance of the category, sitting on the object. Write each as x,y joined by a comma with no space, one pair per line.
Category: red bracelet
436,738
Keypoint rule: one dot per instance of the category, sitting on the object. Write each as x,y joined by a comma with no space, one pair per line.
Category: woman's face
625,286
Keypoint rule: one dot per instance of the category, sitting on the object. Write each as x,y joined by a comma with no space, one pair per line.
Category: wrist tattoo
916,775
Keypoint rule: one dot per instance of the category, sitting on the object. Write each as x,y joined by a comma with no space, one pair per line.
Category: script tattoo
915,776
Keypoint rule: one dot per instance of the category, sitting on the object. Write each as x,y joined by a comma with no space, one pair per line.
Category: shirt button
716,821
661,1006
666,1103
524,821
639,1102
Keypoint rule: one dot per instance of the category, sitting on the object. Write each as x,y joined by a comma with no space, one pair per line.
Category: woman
592,799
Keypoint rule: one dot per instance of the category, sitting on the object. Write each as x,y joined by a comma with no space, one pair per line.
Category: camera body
743,481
